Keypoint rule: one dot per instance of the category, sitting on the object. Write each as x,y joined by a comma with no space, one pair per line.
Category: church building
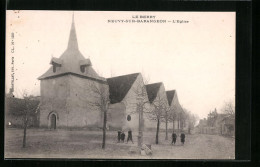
67,94
65,86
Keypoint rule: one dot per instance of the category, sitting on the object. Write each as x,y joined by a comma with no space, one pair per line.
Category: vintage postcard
120,85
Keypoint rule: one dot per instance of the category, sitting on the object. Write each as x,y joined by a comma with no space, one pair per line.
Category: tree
229,108
166,120
101,103
192,119
29,108
168,116
141,106
182,118
212,117
173,116
159,107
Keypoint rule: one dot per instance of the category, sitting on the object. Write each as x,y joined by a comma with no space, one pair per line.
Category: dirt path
87,144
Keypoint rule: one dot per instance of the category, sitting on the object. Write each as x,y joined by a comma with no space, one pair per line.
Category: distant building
224,125
227,125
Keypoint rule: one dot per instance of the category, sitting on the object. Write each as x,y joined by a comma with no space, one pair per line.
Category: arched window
128,118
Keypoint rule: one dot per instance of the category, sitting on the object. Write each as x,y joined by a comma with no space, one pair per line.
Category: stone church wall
69,98
82,111
152,124
177,107
54,93
130,101
116,116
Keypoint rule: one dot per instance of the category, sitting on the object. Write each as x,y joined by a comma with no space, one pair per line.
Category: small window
54,68
82,69
128,118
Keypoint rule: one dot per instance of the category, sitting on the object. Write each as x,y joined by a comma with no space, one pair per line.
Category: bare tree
229,108
159,107
181,119
191,120
29,108
167,117
101,103
212,117
172,117
141,106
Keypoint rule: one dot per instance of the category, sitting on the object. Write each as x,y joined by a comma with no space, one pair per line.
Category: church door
53,121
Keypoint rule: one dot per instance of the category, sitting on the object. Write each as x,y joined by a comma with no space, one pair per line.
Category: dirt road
87,144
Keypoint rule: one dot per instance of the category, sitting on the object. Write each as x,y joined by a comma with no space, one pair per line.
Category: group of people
121,136
174,138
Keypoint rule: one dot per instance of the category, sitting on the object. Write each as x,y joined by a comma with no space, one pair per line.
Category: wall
54,93
161,97
81,102
69,97
130,101
116,116
175,105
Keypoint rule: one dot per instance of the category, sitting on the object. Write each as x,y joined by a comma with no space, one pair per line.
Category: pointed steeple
73,43
72,61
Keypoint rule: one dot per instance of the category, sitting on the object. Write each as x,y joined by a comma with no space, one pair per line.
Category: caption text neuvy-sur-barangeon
147,19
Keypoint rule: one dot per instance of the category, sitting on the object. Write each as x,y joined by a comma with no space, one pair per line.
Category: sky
197,58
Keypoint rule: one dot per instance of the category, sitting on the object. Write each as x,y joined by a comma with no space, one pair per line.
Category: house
227,125
223,125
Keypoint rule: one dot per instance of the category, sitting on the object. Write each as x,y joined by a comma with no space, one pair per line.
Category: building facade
66,90
68,95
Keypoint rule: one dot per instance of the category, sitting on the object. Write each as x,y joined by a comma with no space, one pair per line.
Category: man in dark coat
122,136
118,136
174,137
130,136
182,138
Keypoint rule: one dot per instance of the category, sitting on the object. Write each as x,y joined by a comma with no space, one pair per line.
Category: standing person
174,137
122,136
182,138
129,136
118,136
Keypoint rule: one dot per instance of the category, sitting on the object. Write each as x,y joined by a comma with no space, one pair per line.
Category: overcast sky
197,58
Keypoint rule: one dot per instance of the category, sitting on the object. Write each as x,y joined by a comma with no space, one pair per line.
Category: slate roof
152,90
170,94
119,86
71,60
